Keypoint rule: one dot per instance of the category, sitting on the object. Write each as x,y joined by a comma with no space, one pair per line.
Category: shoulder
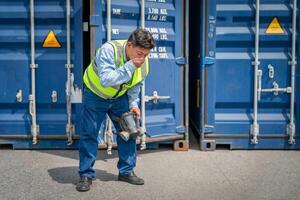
106,50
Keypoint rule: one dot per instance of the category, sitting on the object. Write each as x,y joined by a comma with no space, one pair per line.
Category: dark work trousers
94,112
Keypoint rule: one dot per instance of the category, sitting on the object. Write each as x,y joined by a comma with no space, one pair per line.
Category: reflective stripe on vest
92,81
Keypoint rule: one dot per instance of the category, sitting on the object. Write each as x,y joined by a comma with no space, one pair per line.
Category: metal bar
143,88
92,30
108,133
259,74
32,97
164,138
291,125
32,32
40,137
255,126
108,18
286,90
142,13
204,41
68,16
150,140
69,126
77,137
186,73
211,136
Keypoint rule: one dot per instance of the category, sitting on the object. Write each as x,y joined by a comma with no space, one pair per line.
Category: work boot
131,178
84,184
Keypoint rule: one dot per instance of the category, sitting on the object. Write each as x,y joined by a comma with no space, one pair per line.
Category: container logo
274,27
51,41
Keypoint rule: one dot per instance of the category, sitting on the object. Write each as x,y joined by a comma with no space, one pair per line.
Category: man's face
135,52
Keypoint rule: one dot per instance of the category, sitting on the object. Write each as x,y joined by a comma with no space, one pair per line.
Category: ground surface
219,175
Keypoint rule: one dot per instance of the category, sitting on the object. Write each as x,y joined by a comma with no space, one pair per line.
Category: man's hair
142,38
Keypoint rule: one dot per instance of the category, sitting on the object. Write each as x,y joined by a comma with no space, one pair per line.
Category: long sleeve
109,73
134,95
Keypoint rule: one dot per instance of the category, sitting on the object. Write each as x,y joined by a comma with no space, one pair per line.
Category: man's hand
138,62
137,111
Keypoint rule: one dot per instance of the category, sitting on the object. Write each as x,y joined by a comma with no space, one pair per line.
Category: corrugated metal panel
163,19
229,39
51,74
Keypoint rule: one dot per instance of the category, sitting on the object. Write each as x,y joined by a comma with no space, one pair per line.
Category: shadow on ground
102,154
65,175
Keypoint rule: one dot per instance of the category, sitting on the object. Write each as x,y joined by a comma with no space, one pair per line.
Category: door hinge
180,129
208,129
207,61
180,61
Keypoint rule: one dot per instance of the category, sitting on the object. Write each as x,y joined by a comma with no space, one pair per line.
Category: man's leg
126,149
94,111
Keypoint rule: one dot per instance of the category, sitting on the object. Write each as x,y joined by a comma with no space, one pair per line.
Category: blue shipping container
164,116
56,98
224,63
18,59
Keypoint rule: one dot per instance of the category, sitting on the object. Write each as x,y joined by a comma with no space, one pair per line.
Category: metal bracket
180,61
254,133
180,129
208,128
155,97
208,60
54,96
30,98
70,130
275,87
292,62
34,66
259,75
181,145
35,139
94,20
256,63
108,135
69,66
208,145
19,96
271,71
291,132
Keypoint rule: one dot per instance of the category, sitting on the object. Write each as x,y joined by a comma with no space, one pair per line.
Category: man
112,86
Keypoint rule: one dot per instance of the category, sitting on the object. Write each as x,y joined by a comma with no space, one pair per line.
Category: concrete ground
219,175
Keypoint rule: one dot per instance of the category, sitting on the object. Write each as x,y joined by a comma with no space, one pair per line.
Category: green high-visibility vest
92,81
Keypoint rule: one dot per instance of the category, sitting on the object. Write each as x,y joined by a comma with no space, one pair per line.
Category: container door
232,61
164,86
14,64
52,58
49,54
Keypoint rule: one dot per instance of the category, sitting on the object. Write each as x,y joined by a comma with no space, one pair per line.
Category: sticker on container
51,41
275,27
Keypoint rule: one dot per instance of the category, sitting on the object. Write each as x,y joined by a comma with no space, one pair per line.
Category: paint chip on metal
51,41
275,27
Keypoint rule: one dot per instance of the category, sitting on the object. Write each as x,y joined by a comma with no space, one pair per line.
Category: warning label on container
274,27
51,41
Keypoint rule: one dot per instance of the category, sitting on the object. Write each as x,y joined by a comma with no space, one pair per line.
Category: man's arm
134,95
109,73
